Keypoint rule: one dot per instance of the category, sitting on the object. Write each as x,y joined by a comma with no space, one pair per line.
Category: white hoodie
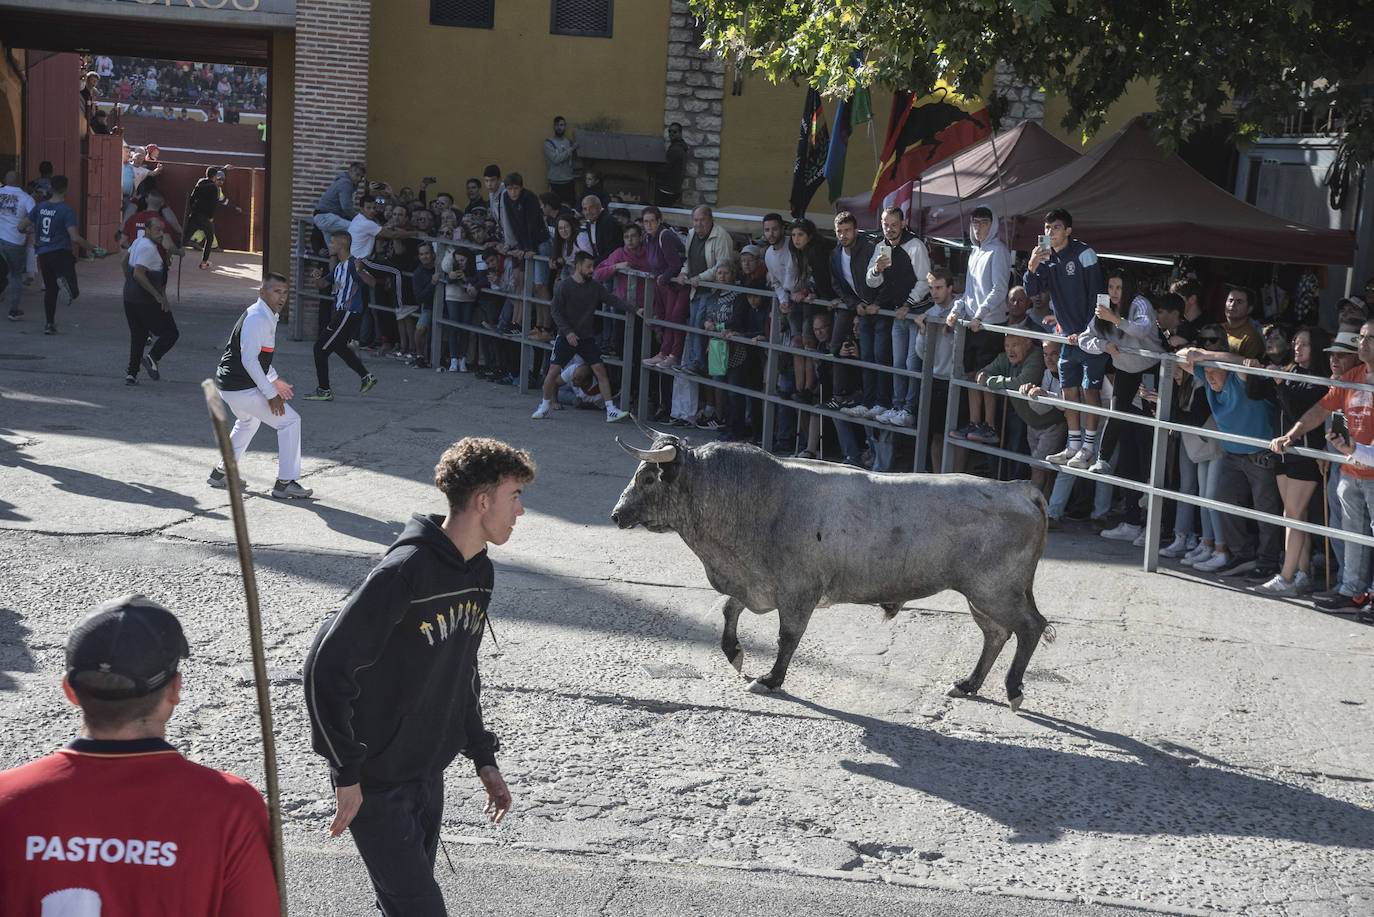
988,281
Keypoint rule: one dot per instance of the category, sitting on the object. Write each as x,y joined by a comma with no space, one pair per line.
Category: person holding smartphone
1070,271
1356,487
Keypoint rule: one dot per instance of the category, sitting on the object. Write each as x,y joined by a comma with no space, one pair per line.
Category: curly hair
475,464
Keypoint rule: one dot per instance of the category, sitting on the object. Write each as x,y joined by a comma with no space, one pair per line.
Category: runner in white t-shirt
15,205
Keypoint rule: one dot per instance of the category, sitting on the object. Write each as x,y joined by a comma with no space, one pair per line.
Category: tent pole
1001,185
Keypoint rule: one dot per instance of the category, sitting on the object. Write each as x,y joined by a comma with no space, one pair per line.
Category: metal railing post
955,392
770,377
1159,457
302,246
646,345
526,304
627,345
923,400
436,330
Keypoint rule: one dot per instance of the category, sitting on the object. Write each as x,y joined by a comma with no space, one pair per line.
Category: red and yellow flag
925,130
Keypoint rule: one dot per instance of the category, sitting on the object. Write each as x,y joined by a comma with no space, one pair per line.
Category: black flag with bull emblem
813,147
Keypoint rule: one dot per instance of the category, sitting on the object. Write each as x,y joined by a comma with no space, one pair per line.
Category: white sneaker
1217,561
1277,585
875,412
1192,560
1198,552
1123,532
462,364
542,411
615,414
855,410
1139,539
1062,458
904,418
886,416
453,365
1177,548
1101,466
1083,458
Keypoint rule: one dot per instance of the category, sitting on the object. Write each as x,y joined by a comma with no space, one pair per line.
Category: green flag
862,109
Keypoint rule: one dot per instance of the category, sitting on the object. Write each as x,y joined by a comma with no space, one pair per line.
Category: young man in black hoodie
391,682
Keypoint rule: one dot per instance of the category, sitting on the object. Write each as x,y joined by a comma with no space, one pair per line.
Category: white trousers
250,409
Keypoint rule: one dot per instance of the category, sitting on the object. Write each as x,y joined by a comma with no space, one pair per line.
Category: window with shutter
591,18
466,14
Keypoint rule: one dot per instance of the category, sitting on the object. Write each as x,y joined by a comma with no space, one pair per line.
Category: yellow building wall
281,80
447,101
1138,99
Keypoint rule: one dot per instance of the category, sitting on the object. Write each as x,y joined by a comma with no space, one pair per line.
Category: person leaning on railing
1356,488
1246,471
1298,476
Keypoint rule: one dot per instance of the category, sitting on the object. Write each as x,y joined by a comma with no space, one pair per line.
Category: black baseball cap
132,637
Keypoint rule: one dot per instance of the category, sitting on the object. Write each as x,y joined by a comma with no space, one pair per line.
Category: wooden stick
219,420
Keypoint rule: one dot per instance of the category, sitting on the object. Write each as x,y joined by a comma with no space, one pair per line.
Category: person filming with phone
1069,270
1356,487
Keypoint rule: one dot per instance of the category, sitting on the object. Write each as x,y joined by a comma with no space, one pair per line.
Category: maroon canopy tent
1025,152
1129,197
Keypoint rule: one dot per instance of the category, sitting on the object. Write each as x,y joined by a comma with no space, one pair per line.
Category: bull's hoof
737,661
1015,702
960,689
759,686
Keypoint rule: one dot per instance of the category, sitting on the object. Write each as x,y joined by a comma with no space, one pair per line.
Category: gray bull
794,535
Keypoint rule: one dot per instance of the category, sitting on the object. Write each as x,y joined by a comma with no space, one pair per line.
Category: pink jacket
638,261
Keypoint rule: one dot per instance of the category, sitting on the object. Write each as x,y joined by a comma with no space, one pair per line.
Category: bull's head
651,497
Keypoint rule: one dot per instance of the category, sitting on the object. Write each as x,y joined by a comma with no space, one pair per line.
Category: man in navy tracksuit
348,279
1074,278
391,682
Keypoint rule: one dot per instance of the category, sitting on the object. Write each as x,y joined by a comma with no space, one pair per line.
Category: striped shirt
348,288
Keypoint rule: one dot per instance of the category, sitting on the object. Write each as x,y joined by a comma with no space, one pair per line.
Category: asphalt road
1184,746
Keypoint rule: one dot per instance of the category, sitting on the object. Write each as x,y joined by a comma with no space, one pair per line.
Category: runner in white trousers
253,391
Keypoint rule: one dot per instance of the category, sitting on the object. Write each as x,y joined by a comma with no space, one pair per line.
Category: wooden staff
220,422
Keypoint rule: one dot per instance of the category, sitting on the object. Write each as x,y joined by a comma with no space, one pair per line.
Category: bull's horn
657,456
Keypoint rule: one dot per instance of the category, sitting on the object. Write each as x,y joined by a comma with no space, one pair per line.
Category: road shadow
100,487
380,532
14,649
1039,793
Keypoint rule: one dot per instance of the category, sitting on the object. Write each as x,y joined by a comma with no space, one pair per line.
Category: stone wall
694,94
1024,103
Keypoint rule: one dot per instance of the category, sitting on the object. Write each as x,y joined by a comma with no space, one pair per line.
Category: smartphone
885,251
1045,243
1338,426
1104,300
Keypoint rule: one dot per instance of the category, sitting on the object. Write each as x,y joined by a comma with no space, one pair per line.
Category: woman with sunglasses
1298,476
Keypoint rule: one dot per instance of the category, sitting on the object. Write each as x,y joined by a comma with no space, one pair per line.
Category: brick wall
331,97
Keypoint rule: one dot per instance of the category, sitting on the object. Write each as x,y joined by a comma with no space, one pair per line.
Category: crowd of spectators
860,313
173,89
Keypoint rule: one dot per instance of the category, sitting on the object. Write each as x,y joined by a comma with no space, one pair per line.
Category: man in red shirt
118,822
1356,487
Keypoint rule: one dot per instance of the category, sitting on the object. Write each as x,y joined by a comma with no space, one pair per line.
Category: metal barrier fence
640,294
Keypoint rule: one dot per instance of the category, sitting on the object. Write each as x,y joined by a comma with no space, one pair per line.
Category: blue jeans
1357,499
695,354
1185,513
905,389
848,435
457,338
875,346
397,833
16,256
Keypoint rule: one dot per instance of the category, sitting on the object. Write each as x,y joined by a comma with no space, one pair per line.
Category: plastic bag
717,357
